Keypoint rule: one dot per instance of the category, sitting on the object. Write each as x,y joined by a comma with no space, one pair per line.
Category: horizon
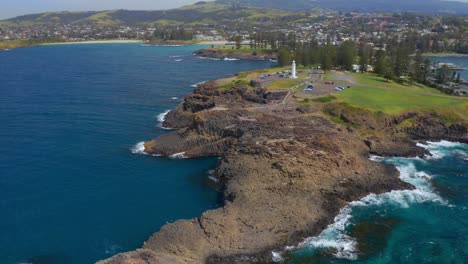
26,7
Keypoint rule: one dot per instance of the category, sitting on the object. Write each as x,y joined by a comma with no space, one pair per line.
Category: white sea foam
139,148
196,84
175,98
211,176
376,158
207,58
161,118
231,59
178,60
276,256
180,155
440,149
335,236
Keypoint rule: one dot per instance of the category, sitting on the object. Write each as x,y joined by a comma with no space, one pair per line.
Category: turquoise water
71,190
425,225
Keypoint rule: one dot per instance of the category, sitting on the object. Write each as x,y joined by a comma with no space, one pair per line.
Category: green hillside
200,13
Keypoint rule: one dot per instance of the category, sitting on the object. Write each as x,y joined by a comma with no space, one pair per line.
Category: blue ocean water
71,190
425,225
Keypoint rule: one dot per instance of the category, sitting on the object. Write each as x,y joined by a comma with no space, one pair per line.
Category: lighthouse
293,71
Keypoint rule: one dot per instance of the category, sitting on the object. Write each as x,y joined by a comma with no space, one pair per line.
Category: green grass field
395,101
373,80
282,84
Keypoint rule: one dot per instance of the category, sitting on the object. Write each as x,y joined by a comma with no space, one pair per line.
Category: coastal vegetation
12,44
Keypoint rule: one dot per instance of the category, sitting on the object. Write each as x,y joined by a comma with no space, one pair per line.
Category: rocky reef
214,54
286,169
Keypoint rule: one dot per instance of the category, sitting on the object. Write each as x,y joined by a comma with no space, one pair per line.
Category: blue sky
12,8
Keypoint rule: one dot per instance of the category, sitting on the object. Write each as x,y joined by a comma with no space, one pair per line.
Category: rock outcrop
286,171
214,54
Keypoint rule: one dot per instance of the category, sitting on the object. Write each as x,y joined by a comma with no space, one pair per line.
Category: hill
416,6
197,14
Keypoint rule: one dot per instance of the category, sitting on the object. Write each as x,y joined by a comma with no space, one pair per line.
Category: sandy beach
94,42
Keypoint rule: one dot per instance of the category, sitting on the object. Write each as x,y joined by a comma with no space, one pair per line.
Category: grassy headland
372,93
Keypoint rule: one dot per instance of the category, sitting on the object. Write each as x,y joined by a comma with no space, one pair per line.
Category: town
350,41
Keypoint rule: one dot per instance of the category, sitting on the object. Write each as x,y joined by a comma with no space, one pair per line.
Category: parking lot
321,87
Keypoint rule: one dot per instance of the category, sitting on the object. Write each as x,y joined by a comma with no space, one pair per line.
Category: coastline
92,42
112,42
267,173
454,55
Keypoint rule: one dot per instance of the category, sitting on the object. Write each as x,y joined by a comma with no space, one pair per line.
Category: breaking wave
231,59
196,84
335,235
161,118
139,148
440,149
180,155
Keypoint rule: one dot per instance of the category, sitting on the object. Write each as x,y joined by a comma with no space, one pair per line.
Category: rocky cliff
286,170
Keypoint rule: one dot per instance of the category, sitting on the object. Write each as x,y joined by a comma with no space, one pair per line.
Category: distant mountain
415,6
199,13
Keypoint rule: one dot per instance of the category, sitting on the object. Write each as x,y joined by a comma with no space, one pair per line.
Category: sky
12,8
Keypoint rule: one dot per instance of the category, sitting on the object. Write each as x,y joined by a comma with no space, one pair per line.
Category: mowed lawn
282,84
395,101
374,80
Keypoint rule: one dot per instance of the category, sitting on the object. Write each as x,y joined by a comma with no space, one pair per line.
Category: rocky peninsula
233,55
286,168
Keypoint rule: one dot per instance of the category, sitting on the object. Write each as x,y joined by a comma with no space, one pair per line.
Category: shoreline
278,163
92,42
115,42
453,55
287,172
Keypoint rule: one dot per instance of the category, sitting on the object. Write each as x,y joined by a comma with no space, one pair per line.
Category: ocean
426,225
75,188
71,188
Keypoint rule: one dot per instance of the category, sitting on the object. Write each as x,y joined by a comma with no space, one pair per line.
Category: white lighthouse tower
293,71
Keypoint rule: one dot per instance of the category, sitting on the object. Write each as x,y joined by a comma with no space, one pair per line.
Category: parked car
310,86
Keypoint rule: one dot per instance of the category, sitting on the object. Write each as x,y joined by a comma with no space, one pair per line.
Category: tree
458,79
238,41
417,68
327,57
388,74
443,74
284,57
347,55
364,56
426,71
380,63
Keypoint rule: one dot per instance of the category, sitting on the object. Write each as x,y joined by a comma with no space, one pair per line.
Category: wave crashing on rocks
336,237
